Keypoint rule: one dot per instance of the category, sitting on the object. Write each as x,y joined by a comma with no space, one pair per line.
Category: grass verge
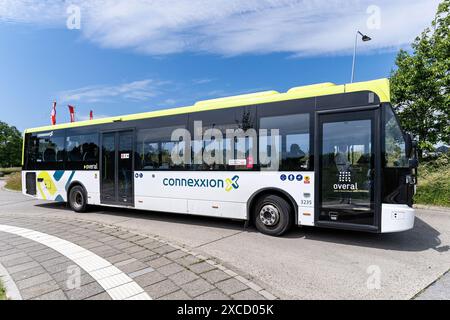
2,291
434,183
14,181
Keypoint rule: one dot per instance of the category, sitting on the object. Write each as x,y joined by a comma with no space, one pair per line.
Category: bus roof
380,87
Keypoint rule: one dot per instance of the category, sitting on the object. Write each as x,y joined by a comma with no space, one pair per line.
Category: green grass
14,181
434,183
10,170
2,291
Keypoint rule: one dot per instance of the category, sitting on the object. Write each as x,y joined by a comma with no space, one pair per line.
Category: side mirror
413,163
408,144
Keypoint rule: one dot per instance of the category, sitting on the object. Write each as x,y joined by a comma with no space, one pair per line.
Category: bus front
399,174
365,164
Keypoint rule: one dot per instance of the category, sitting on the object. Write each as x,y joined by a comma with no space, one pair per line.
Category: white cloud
37,12
233,27
168,103
136,91
202,81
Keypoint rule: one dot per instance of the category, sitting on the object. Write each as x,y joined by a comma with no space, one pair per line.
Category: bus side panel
220,193
53,185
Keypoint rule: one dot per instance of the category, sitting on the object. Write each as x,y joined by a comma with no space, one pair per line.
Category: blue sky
149,55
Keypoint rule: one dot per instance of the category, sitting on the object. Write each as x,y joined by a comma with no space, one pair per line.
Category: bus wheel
78,199
273,215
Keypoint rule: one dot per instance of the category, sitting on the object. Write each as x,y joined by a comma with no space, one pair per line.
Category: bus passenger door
117,183
345,170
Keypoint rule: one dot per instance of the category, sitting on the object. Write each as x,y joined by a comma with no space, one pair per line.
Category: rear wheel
273,215
78,199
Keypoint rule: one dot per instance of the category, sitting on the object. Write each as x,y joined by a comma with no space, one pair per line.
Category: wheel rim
269,215
77,199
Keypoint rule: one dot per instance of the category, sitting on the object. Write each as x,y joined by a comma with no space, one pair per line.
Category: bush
434,182
10,146
14,181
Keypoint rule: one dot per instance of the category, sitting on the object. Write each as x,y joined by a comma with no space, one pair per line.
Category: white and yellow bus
322,155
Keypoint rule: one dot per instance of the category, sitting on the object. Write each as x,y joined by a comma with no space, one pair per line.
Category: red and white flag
53,114
72,113
91,115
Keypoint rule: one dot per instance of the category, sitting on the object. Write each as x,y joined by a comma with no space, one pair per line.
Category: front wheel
273,215
78,199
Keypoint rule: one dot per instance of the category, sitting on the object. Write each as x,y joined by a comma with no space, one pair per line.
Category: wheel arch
273,191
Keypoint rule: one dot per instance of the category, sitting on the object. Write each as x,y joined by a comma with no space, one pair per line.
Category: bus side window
236,146
150,155
81,150
154,147
45,150
293,139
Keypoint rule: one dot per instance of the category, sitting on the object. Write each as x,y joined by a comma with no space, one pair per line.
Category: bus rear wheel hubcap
269,215
77,199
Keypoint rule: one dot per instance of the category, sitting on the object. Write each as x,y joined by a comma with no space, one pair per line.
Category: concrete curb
12,292
428,207
426,293
9,190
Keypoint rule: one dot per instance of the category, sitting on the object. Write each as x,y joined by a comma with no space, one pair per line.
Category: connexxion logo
232,183
228,184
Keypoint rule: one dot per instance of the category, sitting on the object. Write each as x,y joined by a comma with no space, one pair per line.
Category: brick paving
162,269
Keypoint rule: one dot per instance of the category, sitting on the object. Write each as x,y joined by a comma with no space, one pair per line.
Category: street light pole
364,38
354,58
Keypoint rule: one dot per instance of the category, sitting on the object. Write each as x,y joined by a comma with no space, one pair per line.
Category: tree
420,84
10,146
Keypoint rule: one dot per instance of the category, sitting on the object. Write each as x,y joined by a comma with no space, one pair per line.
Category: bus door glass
117,168
346,168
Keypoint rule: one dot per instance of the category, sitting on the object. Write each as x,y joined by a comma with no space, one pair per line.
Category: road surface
307,263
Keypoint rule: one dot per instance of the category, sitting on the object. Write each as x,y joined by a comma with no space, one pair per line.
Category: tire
273,215
78,199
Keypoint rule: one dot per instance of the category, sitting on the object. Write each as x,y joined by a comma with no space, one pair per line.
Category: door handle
40,179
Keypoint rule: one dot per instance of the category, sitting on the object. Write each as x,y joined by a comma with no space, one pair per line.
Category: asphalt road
307,263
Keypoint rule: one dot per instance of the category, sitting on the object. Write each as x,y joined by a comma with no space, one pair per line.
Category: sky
120,57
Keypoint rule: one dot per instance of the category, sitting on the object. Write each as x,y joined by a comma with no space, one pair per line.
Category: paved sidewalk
439,290
161,269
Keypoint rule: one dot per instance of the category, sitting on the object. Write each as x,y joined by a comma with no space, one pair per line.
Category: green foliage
434,182
10,146
421,83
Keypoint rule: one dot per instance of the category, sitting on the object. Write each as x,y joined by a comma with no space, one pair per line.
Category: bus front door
346,165
116,186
